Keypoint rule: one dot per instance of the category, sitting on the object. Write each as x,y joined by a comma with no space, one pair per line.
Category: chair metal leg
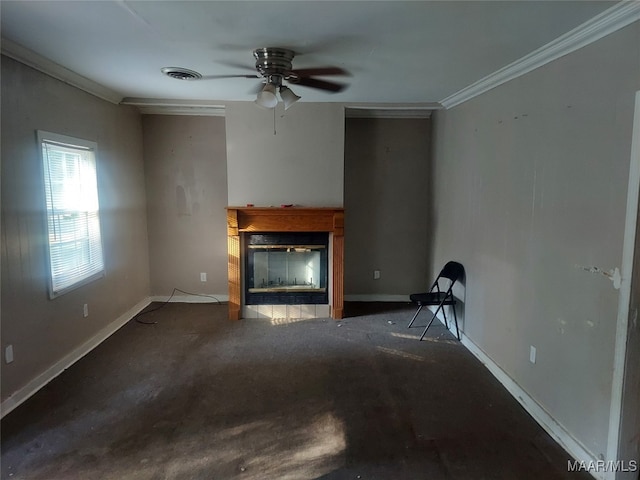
444,314
429,324
415,316
435,314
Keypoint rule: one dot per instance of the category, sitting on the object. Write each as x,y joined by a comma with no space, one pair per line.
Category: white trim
558,432
190,111
159,106
48,67
609,21
375,297
390,112
200,298
66,140
624,297
22,394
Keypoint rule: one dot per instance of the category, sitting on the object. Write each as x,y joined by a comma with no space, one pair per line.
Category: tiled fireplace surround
242,220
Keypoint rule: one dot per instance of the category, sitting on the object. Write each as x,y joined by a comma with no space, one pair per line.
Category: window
73,213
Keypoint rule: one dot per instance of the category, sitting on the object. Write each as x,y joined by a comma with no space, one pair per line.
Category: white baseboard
60,366
558,432
376,298
199,298
540,415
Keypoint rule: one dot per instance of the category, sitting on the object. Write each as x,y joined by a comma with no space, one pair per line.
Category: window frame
81,145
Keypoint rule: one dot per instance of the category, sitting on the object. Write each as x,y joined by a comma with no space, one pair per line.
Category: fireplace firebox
286,268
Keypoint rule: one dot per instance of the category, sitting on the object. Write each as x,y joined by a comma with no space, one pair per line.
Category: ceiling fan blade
213,77
238,65
319,84
309,72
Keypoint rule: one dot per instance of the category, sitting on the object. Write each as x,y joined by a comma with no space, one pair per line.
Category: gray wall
186,180
530,182
43,331
387,209
302,164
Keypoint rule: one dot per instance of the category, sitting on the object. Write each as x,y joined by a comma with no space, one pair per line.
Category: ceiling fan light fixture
267,96
288,97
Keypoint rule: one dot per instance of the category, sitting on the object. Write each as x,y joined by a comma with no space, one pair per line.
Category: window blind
73,215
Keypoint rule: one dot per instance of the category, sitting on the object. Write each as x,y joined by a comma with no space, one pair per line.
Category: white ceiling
396,52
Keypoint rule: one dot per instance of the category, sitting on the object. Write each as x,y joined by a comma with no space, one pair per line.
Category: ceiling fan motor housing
273,62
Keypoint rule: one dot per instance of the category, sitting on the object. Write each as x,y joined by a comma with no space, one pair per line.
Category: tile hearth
288,312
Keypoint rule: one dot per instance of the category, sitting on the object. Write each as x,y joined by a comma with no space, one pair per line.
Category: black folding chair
452,272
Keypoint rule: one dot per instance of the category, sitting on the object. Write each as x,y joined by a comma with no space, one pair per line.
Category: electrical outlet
8,354
85,310
376,274
532,354
203,277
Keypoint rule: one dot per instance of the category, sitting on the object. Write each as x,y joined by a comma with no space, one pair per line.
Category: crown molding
619,16
388,113
46,66
158,106
373,110
190,111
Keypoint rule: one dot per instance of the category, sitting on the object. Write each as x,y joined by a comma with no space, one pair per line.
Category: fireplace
285,257
284,268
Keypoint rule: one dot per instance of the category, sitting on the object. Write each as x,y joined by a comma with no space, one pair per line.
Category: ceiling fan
274,67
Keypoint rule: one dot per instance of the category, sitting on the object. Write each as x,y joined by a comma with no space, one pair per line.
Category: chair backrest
452,271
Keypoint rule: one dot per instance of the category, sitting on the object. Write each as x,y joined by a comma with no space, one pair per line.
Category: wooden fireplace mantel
285,219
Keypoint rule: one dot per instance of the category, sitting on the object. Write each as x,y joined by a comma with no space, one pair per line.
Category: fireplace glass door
286,268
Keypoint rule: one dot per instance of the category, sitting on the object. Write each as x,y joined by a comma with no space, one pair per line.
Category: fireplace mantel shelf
285,219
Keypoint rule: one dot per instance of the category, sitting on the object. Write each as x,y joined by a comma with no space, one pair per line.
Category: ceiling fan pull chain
274,119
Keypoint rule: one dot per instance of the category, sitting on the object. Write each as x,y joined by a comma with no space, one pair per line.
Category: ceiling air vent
181,73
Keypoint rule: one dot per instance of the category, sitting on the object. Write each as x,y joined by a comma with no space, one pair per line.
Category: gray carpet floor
195,396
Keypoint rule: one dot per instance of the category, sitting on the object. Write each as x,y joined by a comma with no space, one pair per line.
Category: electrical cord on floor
137,319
